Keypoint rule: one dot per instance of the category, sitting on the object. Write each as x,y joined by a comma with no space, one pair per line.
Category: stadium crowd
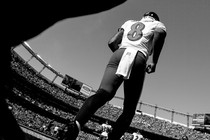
51,127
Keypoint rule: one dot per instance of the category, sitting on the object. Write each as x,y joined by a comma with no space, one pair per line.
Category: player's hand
150,68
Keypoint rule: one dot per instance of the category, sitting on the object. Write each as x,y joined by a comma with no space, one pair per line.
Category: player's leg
108,87
132,92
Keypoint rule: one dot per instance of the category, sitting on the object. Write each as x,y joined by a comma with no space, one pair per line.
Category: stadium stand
42,108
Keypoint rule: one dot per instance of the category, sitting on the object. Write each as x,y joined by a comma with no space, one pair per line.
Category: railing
140,104
45,65
156,108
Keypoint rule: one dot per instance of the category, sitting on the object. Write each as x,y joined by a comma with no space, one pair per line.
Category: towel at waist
126,62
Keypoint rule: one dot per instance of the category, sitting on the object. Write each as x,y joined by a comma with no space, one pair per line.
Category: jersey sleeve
160,25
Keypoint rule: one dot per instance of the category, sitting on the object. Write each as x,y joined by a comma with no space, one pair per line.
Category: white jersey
137,136
105,129
138,34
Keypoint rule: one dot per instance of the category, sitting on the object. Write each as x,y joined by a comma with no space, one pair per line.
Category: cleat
70,132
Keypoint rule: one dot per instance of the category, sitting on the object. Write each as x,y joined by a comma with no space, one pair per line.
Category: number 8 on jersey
136,31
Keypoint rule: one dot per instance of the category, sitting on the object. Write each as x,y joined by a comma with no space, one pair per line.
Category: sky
78,47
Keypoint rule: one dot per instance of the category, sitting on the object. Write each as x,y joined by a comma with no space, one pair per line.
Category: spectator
55,130
106,128
137,136
184,138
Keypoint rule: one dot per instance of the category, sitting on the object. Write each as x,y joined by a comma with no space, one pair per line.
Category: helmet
152,14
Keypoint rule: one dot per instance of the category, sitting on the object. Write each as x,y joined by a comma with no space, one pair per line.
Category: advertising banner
198,119
86,90
207,119
72,83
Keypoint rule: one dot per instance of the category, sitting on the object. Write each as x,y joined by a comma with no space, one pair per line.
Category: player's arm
158,42
116,40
